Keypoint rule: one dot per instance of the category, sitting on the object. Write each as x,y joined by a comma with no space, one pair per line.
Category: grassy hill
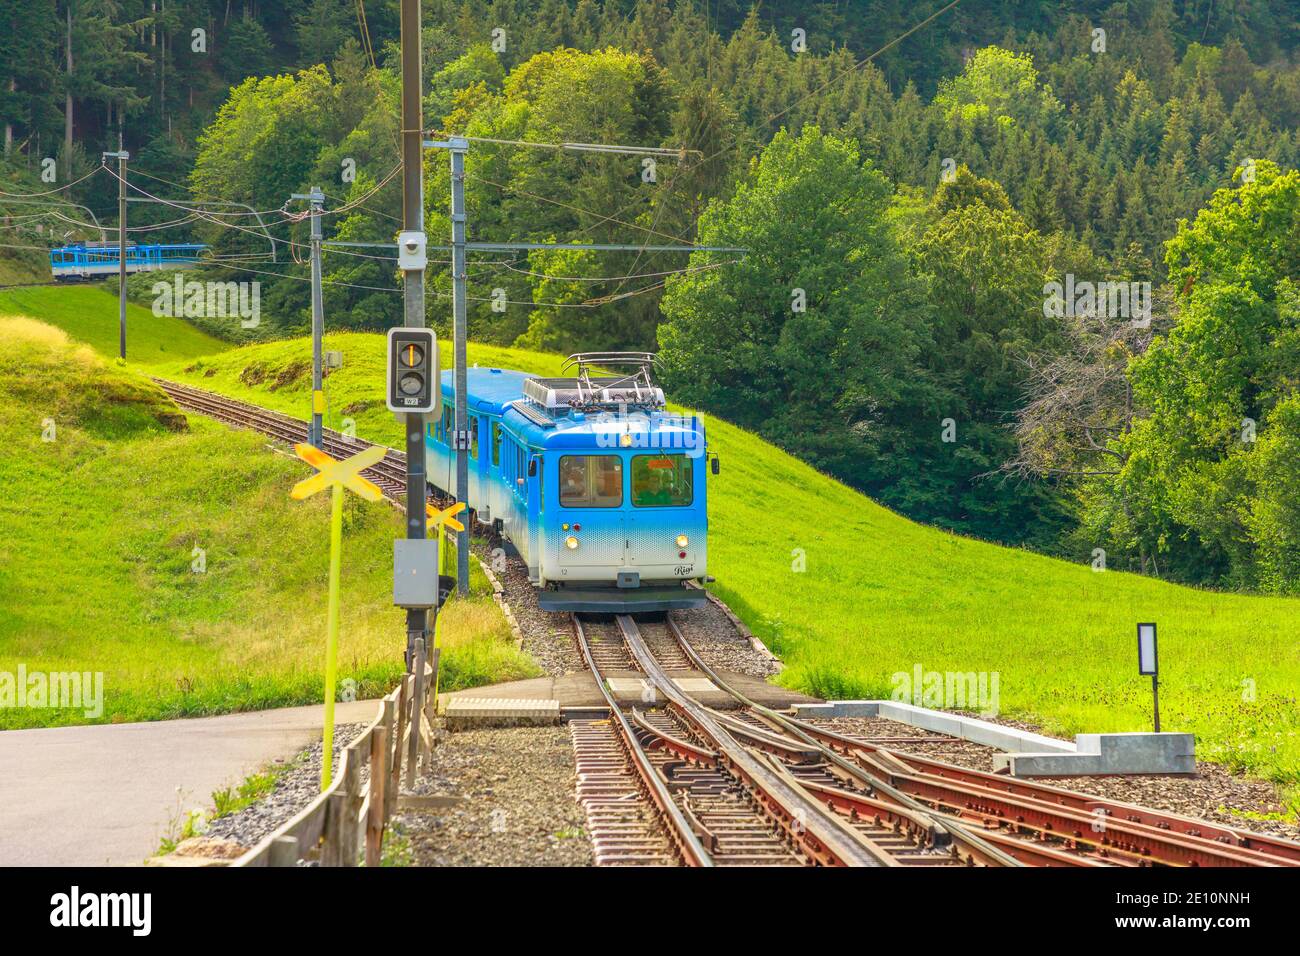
167,555
88,313
879,594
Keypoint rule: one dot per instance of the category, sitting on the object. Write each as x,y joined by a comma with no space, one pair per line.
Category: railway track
727,791
1036,823
672,782
389,473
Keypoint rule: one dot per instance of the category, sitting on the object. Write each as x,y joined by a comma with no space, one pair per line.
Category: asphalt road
106,794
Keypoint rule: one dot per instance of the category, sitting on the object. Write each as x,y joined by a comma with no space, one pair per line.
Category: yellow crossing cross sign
336,475
440,519
331,471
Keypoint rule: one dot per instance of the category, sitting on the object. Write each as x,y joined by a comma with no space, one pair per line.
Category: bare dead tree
1079,400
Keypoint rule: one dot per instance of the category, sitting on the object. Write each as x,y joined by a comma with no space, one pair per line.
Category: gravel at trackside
720,645
547,636
1208,795
519,807
549,639
294,789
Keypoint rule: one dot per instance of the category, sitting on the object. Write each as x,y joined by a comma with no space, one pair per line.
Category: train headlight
571,543
682,541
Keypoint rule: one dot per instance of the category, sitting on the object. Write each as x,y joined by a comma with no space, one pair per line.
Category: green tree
812,337
245,50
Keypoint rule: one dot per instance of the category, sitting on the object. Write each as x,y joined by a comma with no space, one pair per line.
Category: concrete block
973,729
807,711
839,708
466,712
1047,765
1141,752
1133,753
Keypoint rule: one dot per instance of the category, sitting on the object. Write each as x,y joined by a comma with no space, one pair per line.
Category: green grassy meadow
880,594
166,553
88,313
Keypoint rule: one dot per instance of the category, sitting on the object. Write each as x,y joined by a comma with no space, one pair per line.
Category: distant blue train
600,490
85,260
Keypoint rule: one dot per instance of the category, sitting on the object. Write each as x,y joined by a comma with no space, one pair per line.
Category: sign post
1148,663
442,520
335,475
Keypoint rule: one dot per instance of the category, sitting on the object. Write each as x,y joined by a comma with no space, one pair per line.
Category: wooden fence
344,826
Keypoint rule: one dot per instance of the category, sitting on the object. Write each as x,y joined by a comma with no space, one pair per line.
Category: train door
590,495
662,514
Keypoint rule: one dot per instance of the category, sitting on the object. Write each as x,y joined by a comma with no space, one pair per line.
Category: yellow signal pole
442,520
332,634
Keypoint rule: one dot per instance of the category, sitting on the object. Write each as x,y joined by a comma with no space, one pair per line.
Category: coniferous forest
1026,271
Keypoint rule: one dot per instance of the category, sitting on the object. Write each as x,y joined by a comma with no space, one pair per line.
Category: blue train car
600,490
86,260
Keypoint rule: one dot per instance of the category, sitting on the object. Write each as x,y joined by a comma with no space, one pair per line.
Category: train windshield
660,481
591,481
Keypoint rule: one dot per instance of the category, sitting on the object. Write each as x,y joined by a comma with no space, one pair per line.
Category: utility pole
316,430
457,146
417,618
121,156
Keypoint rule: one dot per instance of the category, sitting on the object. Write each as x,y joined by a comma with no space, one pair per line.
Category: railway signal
336,475
413,371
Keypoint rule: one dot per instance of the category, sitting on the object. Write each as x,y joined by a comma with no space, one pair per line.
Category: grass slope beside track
168,555
88,313
879,594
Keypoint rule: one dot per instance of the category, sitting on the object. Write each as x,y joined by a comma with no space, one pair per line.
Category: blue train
86,260
600,490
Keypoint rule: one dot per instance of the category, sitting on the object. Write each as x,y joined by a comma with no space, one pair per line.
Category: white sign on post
1147,663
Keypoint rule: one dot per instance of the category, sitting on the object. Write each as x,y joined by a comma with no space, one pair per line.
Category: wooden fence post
378,777
431,703
333,851
395,770
284,851
417,714
352,800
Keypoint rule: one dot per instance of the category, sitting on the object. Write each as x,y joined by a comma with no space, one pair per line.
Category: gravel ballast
294,789
516,808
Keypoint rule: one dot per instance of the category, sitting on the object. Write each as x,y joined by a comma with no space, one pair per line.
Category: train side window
496,444
591,481
473,437
660,481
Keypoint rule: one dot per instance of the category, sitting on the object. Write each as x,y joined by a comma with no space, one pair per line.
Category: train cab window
496,444
473,437
591,481
660,481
